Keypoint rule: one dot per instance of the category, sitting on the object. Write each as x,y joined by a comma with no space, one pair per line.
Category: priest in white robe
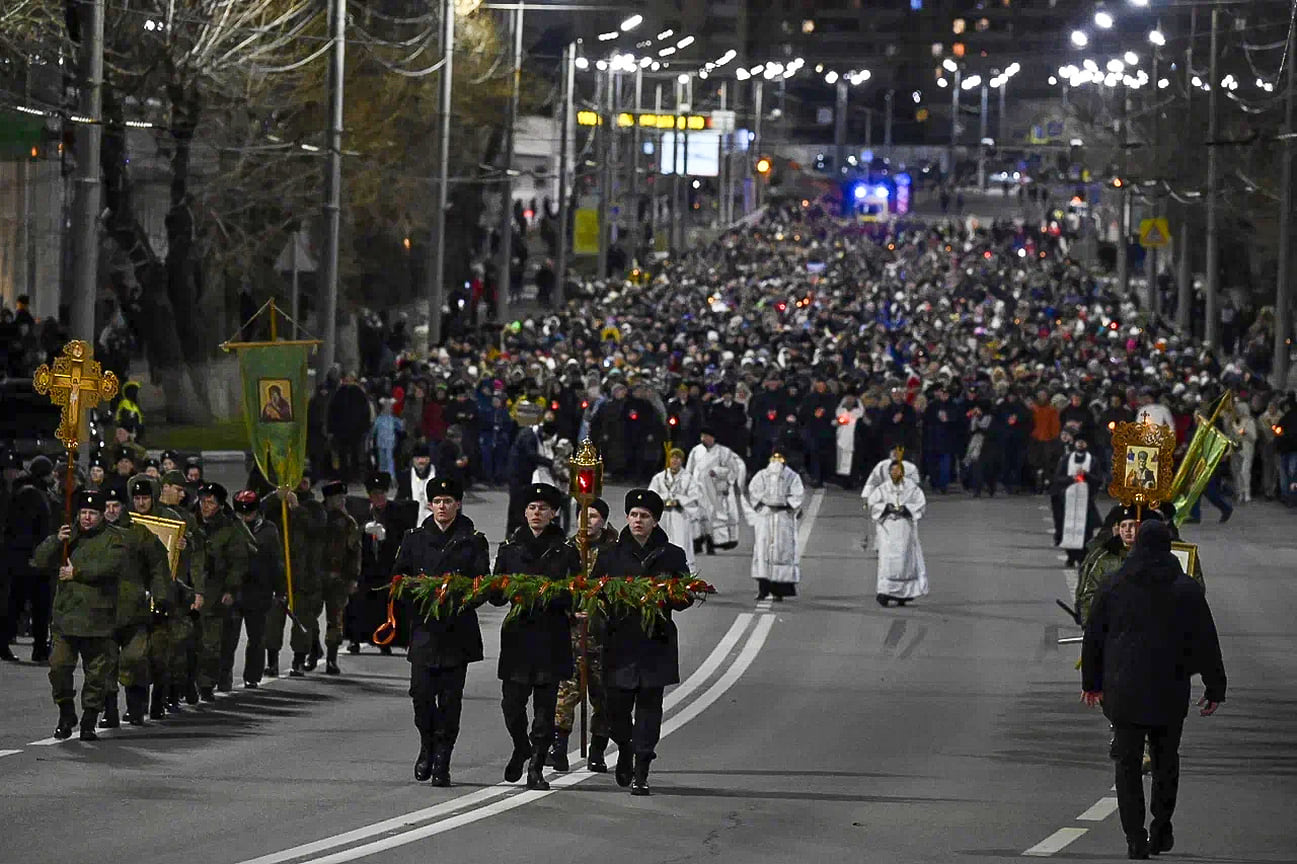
848,415
719,475
878,475
679,496
412,484
896,507
1078,479
776,494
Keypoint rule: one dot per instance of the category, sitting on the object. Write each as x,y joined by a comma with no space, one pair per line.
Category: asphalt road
824,728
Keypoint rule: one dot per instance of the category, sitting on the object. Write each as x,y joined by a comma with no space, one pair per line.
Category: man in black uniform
383,524
639,663
265,580
535,647
1148,633
441,647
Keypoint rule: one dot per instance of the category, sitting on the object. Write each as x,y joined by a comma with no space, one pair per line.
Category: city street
823,728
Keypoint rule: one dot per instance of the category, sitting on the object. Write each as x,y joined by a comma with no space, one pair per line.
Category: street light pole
565,142
887,120
1152,299
1123,220
333,187
436,276
981,141
954,119
88,188
1184,272
840,129
758,93
1211,327
603,131
1283,289
504,263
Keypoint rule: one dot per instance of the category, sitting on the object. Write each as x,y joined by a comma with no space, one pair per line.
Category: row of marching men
136,620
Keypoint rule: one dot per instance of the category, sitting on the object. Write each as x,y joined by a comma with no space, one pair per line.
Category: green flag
1215,447
1191,455
274,408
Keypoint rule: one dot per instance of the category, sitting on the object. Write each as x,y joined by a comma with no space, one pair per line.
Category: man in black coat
27,520
727,418
441,647
524,458
639,663
383,525
535,647
347,422
1148,633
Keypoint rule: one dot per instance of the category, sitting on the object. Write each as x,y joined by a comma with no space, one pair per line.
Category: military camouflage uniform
85,613
176,652
146,576
228,558
341,571
307,523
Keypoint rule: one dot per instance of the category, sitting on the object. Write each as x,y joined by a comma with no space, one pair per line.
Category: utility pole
1184,273
1000,135
758,180
1152,299
840,129
635,150
504,261
565,133
89,191
1283,290
436,275
981,141
723,165
28,233
657,151
1123,199
1211,327
954,121
333,187
603,97
887,121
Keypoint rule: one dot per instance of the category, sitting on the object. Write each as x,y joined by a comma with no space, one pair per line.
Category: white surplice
845,433
882,474
719,475
901,570
776,494
678,488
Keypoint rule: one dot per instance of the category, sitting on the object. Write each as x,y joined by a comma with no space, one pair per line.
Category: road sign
723,121
1154,233
585,233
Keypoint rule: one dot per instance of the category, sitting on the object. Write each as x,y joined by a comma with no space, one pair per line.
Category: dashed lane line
4,753
1102,809
1056,842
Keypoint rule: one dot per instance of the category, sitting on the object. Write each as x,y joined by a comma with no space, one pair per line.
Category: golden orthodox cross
78,384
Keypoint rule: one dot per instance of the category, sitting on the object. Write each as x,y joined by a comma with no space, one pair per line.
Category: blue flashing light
903,179
880,192
859,192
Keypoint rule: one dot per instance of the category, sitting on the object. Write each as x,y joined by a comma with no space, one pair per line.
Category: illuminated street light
609,36
582,63
831,77
1131,58
742,74
949,65
1156,37
666,34
1163,83
1103,20
667,51
971,82
1014,69
631,23
1079,39
1115,66
685,42
1052,80
1140,3
943,83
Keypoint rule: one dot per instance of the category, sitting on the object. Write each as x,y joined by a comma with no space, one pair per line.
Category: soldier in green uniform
188,584
306,520
264,583
601,538
144,583
227,568
85,610
339,568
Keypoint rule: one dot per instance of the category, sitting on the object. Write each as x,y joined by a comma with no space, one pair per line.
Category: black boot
883,600
709,545
88,721
272,663
513,771
331,665
173,698
112,719
1160,839
441,765
299,665
353,648
536,770
206,694
639,784
1137,847
67,721
137,700
625,770
313,656
191,694
157,704
595,762
558,753
423,765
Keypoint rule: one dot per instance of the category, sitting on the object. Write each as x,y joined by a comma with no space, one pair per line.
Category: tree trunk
149,309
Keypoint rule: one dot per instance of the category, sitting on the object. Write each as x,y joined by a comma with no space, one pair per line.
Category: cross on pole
78,384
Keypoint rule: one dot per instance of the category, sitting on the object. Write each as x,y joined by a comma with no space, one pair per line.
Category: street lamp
1103,20
631,23
1079,39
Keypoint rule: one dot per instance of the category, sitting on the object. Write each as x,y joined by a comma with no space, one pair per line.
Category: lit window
959,26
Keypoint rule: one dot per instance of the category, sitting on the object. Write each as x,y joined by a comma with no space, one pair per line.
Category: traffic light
763,165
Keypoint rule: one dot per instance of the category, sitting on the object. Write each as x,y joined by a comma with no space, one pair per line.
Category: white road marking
750,650
1056,842
710,665
808,521
4,753
1102,809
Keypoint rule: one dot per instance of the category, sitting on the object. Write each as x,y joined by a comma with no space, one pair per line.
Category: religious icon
170,531
1141,467
275,398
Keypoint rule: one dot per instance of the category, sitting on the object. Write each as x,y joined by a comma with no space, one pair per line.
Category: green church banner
275,393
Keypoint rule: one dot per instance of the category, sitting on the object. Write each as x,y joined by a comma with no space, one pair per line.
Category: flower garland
450,594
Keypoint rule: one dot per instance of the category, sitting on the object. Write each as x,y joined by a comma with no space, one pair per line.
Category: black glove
904,512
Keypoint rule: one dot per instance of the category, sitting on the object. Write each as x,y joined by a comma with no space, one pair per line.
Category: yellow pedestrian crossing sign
1154,233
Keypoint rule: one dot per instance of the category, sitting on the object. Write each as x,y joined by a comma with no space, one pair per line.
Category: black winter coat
1148,633
452,640
632,656
536,646
27,520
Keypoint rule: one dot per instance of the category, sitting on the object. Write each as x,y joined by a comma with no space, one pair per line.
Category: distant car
28,420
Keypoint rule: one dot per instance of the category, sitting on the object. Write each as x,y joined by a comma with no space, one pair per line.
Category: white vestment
901,571
419,489
678,489
776,493
1076,502
881,474
845,432
719,476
